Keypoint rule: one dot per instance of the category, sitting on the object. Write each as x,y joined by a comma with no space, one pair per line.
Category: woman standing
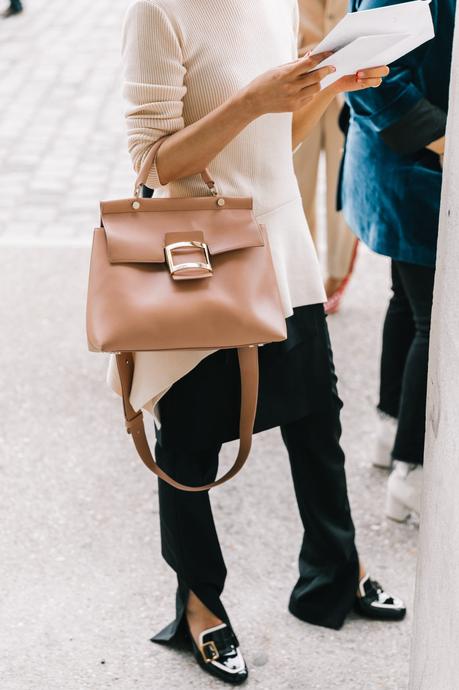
392,178
207,74
317,19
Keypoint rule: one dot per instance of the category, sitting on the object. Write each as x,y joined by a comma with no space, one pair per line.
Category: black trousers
328,560
405,354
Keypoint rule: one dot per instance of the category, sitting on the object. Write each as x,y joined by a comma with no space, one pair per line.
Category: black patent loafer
374,602
219,655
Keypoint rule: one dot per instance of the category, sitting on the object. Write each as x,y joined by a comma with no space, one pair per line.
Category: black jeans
405,355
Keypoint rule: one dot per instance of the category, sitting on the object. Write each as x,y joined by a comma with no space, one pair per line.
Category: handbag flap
136,229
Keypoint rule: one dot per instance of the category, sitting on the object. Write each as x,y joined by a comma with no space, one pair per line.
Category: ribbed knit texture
184,58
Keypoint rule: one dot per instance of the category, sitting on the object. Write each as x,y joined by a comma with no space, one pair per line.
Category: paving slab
62,133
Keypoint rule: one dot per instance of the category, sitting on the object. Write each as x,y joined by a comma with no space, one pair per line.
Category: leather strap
150,159
248,365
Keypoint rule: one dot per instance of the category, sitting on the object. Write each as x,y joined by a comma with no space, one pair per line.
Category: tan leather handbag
182,273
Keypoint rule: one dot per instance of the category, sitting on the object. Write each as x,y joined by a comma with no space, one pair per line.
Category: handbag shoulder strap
150,158
248,365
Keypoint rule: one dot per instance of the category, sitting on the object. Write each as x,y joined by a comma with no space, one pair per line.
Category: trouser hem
317,619
384,411
410,461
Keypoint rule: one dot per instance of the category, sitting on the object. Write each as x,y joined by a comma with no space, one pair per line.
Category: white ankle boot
404,489
387,428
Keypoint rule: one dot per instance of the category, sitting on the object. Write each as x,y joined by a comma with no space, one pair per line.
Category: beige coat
317,19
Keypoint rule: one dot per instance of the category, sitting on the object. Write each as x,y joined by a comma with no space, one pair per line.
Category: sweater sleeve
153,81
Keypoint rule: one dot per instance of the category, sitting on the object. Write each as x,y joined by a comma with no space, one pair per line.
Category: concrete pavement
62,138
83,583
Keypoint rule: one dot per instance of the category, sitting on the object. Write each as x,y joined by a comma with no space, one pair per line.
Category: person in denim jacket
390,192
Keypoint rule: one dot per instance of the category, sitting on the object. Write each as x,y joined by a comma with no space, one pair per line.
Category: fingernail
332,69
360,75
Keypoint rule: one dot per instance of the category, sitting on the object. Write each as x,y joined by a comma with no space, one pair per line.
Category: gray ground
83,585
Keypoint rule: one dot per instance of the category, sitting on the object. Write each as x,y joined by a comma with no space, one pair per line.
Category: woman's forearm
284,89
305,120
191,149
290,88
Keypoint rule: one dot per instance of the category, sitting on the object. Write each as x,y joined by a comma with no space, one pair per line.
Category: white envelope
371,38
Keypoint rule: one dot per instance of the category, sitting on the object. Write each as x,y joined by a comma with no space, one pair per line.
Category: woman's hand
287,88
364,79
305,120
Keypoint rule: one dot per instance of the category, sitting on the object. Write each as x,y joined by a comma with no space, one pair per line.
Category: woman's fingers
303,52
367,83
372,78
363,79
373,73
308,62
315,76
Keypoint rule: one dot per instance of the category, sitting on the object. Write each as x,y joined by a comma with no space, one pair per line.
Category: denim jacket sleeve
398,94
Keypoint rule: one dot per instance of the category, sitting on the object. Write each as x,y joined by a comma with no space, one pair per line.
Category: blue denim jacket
392,200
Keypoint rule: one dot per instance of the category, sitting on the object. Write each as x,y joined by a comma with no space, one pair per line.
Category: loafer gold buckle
213,649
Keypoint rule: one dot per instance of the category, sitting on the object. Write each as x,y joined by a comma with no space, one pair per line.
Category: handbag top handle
150,159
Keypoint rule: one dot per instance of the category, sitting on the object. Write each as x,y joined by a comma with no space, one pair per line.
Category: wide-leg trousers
328,560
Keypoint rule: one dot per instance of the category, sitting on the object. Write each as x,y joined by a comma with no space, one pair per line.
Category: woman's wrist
249,103
305,119
333,90
328,95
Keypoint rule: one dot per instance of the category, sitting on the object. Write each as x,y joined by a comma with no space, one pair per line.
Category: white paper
366,51
371,38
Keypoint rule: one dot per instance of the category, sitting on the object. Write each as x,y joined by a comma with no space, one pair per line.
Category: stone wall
435,650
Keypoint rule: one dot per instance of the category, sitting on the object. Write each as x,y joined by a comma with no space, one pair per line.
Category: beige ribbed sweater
182,59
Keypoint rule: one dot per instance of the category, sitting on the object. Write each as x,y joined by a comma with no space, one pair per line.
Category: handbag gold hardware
176,268
134,306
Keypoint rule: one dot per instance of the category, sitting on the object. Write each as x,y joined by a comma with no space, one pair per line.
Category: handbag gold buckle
189,265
